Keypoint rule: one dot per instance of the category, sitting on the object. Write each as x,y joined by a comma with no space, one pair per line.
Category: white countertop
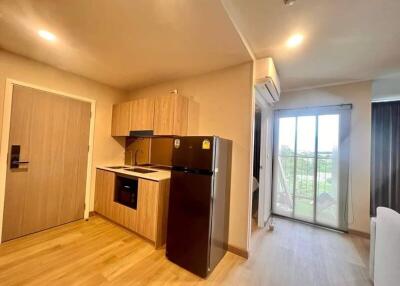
158,175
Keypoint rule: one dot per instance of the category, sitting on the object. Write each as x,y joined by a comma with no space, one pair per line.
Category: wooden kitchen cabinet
105,184
147,209
105,205
133,115
165,115
142,114
121,118
171,115
153,210
150,217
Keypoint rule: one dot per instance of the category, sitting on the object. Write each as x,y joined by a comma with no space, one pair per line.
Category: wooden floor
97,252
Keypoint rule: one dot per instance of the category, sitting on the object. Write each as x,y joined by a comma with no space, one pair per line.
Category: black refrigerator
198,214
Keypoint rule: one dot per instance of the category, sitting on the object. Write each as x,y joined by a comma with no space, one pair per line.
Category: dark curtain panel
385,157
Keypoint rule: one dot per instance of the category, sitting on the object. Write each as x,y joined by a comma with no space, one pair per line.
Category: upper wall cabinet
134,115
171,115
142,114
121,118
165,115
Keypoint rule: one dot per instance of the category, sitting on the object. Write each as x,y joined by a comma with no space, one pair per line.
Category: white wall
386,88
359,94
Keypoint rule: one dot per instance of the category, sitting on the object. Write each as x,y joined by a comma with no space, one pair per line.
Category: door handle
20,162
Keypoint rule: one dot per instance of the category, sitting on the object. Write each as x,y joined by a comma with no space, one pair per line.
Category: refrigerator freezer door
189,221
193,152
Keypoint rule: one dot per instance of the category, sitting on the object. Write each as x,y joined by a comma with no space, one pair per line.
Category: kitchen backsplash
157,151
161,151
139,147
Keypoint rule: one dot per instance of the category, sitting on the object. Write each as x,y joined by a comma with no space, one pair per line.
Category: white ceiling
345,40
129,44
124,43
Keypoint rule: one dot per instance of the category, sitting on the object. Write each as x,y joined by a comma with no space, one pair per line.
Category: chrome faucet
136,153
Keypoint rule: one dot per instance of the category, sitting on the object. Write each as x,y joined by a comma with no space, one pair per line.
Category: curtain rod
387,99
336,106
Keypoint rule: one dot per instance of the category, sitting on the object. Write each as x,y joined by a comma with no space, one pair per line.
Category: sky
328,132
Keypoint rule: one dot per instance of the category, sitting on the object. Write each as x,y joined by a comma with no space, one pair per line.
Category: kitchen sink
161,167
145,165
117,167
140,170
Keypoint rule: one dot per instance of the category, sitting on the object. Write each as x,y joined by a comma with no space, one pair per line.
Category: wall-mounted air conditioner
266,80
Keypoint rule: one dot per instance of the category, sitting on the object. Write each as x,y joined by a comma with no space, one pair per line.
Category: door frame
265,162
344,112
5,136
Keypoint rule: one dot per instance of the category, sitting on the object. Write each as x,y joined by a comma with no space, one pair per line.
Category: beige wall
106,149
359,94
221,105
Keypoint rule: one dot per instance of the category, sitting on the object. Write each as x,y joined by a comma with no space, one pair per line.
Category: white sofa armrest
372,248
387,248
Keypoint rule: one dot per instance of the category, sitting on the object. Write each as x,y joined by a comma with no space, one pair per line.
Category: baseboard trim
238,251
127,229
235,250
359,233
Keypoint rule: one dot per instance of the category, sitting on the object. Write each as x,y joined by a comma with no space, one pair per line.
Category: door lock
15,162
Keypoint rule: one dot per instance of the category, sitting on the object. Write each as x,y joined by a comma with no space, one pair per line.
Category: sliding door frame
344,112
265,185
5,136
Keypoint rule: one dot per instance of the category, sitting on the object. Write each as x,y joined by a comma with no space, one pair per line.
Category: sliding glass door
311,165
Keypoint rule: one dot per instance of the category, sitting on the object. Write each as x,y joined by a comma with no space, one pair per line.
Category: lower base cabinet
150,217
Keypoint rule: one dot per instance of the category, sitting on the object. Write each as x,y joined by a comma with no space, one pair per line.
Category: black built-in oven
126,191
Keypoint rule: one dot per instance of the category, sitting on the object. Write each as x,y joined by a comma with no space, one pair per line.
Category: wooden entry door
52,132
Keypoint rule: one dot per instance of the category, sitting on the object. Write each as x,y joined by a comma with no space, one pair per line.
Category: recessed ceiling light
289,2
295,40
47,35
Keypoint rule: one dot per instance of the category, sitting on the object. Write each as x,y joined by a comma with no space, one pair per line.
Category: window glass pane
287,134
284,175
328,170
305,165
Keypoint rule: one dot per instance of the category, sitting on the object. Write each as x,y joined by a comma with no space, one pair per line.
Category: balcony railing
304,172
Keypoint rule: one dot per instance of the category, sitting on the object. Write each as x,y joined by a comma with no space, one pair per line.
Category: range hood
147,134
141,133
